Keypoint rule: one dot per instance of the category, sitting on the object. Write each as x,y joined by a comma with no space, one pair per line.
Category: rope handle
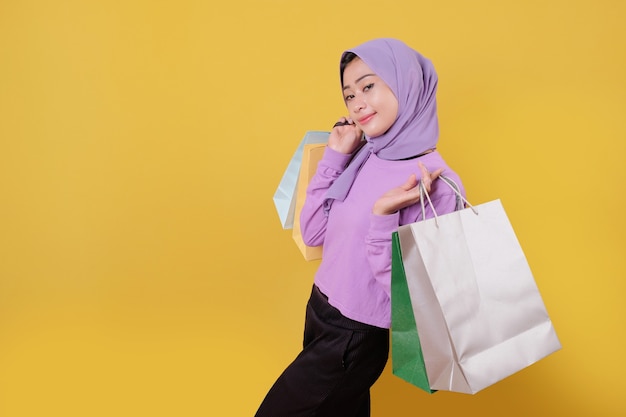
460,200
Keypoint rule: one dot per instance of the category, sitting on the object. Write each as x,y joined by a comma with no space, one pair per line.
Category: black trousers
341,359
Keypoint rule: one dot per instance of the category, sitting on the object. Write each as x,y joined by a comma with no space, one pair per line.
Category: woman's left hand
406,194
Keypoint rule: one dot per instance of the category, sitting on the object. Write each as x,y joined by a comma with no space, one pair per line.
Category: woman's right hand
406,194
345,138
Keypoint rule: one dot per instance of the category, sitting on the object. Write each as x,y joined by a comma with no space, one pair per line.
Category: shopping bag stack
291,192
466,311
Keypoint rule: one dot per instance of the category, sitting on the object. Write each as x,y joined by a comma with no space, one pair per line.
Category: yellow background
143,269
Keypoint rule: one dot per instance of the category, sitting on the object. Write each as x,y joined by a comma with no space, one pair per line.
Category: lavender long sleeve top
355,272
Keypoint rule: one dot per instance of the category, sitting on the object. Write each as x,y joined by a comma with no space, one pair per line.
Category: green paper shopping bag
406,351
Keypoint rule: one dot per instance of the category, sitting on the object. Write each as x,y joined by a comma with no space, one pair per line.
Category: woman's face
369,100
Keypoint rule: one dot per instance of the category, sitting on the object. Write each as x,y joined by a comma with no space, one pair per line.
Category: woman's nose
358,104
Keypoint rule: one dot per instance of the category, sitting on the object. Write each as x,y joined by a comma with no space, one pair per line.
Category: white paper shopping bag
284,197
477,308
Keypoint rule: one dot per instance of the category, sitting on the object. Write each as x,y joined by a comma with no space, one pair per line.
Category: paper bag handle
453,185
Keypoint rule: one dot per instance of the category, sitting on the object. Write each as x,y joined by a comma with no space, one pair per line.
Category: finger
342,122
397,202
410,183
407,198
423,170
426,179
437,173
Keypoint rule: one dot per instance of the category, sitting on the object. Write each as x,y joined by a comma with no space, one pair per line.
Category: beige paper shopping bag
311,155
478,311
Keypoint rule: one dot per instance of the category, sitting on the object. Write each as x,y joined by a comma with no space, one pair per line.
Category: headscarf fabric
413,80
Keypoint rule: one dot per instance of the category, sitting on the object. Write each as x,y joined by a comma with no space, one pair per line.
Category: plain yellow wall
143,269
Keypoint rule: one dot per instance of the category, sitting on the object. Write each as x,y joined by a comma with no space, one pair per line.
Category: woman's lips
367,118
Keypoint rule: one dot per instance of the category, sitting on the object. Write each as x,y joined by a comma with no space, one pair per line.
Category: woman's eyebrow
345,87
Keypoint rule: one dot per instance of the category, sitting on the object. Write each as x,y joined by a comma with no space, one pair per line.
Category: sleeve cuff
381,227
335,160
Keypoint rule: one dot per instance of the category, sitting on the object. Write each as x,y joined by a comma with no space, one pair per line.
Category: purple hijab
413,80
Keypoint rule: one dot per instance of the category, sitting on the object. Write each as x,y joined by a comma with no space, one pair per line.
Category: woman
362,191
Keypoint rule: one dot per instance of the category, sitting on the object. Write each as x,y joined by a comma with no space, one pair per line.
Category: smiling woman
359,195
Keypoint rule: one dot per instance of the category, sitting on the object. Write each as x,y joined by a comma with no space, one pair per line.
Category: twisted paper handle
453,185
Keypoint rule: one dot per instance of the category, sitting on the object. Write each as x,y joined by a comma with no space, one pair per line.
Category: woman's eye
368,87
348,97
